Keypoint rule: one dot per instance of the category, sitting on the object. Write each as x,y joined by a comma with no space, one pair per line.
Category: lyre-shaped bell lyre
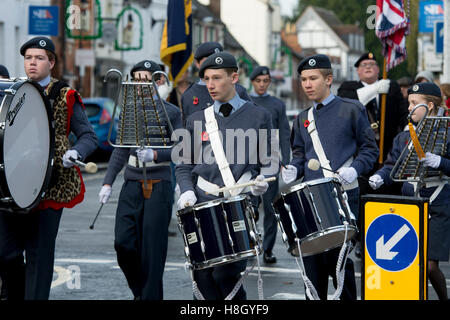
430,135
143,119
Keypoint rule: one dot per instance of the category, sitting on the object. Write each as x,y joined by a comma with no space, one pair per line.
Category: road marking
63,275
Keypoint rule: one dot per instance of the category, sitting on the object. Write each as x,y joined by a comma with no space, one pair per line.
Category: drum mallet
90,167
95,219
314,165
242,185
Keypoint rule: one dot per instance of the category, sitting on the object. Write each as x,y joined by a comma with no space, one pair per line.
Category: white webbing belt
216,144
324,162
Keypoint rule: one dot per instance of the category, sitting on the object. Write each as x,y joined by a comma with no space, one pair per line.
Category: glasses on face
367,65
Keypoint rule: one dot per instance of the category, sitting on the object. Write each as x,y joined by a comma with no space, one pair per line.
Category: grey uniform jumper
197,97
141,227
217,282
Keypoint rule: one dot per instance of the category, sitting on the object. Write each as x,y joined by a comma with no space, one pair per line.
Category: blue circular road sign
392,242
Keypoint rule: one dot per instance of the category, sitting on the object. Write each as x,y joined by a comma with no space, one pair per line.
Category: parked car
99,111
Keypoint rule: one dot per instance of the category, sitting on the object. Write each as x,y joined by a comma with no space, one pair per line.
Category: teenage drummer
335,131
197,177
35,233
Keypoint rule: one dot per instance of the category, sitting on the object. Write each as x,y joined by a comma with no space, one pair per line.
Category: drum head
26,145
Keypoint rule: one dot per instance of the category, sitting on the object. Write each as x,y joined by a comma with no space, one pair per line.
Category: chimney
214,6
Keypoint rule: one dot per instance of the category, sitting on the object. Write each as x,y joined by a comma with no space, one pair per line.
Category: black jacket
396,110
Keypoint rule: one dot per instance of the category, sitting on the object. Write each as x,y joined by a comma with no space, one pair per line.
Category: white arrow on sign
383,250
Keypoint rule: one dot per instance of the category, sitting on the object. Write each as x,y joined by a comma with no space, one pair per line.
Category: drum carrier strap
324,162
213,132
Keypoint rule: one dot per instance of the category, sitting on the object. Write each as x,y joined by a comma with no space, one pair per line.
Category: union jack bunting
392,26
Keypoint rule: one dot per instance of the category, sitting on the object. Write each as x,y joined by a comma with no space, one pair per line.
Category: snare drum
26,144
218,232
317,213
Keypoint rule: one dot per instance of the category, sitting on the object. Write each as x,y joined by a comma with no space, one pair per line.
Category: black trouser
141,236
216,283
35,234
318,267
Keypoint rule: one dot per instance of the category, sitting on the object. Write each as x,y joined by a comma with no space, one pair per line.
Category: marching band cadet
35,233
143,215
196,178
261,80
341,127
429,94
196,97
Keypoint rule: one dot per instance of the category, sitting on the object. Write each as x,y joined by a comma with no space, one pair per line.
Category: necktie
225,109
319,106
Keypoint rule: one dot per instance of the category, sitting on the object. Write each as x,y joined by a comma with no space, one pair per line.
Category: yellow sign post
394,239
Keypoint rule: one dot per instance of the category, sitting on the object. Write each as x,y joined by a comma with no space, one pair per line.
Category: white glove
383,86
164,90
288,173
375,181
145,154
371,91
347,175
260,187
186,199
105,193
69,154
431,160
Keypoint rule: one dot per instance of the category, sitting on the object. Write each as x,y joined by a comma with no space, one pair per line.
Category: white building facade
320,30
14,32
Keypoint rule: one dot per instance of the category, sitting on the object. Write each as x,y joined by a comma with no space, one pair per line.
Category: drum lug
10,91
2,125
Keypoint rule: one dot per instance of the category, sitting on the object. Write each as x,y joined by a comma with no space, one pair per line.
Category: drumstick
95,219
314,165
242,185
90,167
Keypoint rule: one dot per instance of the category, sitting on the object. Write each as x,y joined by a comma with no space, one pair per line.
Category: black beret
318,61
3,71
259,71
145,65
365,56
426,88
219,60
39,43
206,49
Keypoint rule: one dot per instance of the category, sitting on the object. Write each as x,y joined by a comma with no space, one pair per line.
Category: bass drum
27,142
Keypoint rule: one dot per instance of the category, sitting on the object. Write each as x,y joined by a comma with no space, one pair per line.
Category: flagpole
382,119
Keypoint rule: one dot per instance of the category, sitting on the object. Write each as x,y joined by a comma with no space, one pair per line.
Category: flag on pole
392,26
176,42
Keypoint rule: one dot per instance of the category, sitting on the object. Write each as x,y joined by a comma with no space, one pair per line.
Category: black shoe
269,257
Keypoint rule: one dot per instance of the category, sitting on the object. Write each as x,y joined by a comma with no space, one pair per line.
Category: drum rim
211,203
16,84
225,259
318,234
298,186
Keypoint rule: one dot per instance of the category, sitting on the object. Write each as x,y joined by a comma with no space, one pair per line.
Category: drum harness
311,292
213,132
